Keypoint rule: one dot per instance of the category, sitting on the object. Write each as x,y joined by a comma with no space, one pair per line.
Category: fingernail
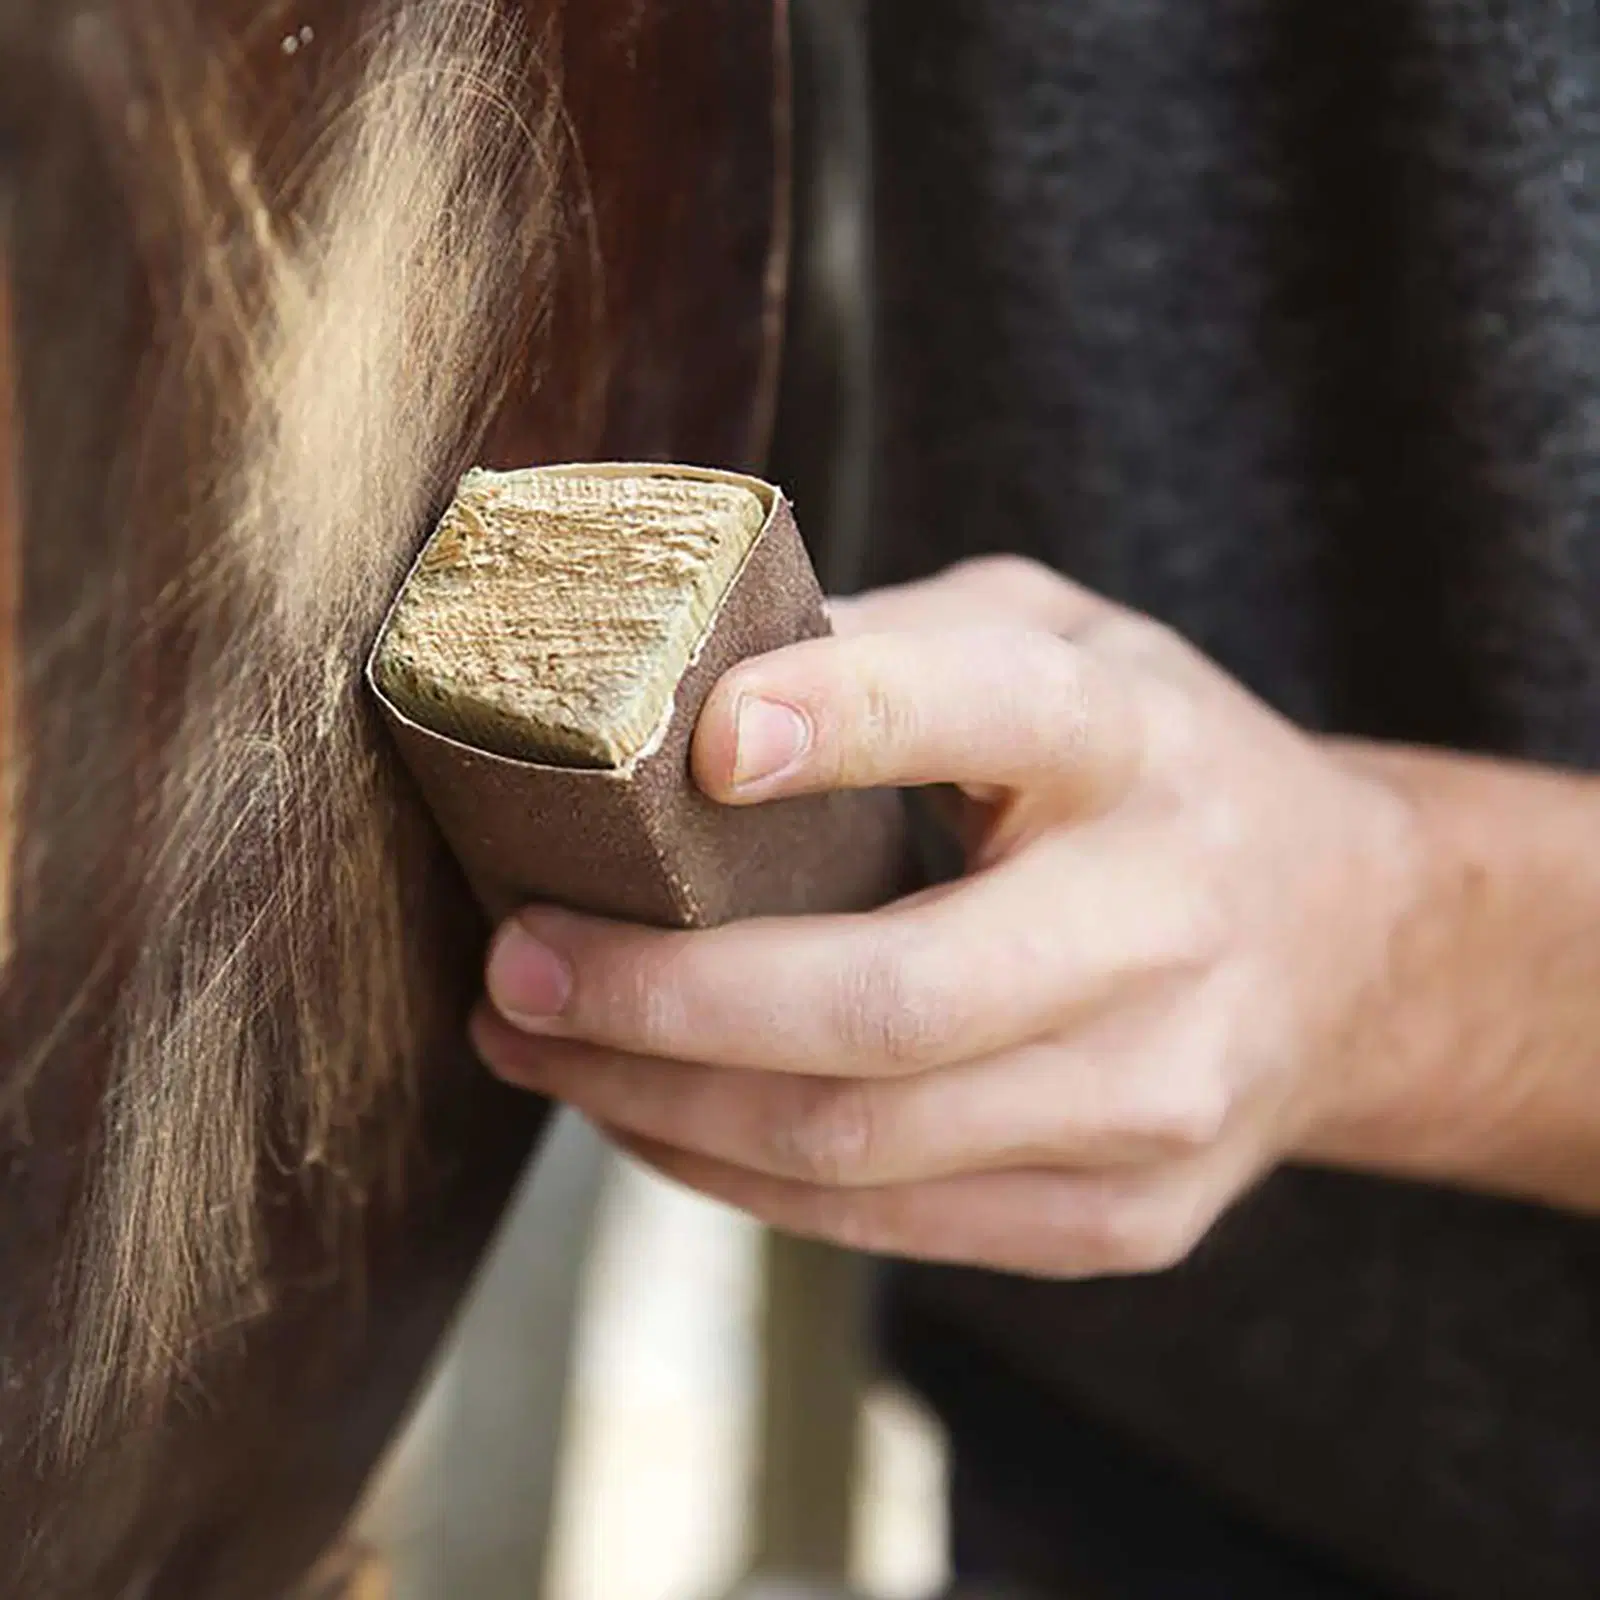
527,981
771,738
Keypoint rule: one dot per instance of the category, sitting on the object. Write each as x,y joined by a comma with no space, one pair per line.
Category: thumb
1004,708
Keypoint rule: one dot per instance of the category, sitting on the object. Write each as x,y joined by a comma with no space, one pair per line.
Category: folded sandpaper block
543,668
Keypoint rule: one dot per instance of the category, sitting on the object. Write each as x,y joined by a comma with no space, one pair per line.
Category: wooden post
815,1369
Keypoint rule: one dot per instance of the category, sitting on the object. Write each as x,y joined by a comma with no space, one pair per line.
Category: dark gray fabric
1281,320
1041,1496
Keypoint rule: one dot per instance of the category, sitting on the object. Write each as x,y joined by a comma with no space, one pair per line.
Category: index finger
913,987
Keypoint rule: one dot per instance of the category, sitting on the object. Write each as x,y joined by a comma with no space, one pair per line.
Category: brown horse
271,275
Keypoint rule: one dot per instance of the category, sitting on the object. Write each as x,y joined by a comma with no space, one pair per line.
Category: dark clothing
1280,319
1043,1496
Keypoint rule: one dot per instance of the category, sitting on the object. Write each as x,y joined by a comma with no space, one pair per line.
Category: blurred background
595,1431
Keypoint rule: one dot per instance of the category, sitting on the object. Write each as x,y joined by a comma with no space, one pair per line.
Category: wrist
1373,1100
1475,1058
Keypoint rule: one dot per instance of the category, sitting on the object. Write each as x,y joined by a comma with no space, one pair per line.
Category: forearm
1479,1062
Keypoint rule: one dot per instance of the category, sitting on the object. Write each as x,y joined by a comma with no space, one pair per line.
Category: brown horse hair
330,331
10,540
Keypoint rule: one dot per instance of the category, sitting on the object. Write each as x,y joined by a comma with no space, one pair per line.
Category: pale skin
1193,943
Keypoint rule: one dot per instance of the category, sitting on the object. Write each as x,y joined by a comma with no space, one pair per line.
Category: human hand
1140,998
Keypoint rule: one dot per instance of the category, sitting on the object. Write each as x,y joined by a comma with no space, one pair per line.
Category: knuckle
1159,640
1159,1245
1188,1120
849,1218
649,991
1182,1228
1132,1237
1174,732
1198,926
1134,636
894,1007
888,725
1006,574
1058,708
1208,927
829,1136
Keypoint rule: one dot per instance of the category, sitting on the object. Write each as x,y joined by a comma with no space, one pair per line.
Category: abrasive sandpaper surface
614,825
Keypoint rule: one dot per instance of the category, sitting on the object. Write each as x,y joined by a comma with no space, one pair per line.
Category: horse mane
208,857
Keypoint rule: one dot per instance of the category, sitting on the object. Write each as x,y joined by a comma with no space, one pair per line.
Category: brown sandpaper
609,820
